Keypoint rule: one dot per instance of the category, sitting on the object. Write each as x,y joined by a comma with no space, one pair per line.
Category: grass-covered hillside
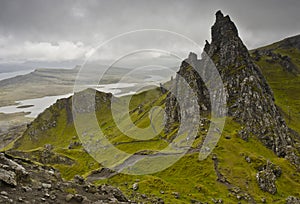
280,64
228,174
255,160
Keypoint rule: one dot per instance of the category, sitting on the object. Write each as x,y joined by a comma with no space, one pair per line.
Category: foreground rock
23,181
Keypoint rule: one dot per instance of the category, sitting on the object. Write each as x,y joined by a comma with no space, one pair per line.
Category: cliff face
250,100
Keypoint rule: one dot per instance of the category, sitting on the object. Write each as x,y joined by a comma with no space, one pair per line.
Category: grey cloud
91,22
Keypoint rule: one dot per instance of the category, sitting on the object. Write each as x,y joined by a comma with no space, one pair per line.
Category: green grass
191,178
84,163
194,179
286,87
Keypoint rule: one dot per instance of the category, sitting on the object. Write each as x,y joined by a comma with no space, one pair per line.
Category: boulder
8,177
266,180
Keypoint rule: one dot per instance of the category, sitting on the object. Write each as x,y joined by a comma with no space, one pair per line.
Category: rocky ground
22,181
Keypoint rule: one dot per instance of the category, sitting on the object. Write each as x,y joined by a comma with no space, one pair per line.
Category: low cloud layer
42,51
55,31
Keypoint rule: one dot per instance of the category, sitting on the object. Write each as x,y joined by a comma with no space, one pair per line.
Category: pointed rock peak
223,27
226,47
219,15
248,95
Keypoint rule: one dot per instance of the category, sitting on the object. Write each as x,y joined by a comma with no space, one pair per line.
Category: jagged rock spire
226,44
250,99
223,27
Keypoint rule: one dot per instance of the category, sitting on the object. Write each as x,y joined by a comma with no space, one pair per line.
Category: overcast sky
59,31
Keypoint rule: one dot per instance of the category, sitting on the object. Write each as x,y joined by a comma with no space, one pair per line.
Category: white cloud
11,51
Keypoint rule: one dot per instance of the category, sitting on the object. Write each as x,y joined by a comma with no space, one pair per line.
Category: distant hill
48,82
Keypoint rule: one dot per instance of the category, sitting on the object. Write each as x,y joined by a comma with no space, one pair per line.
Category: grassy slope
195,179
63,134
286,86
191,178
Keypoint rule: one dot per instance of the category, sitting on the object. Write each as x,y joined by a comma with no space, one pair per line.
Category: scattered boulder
176,195
79,179
119,195
69,197
10,171
48,147
292,200
45,185
248,159
135,186
3,193
266,180
8,177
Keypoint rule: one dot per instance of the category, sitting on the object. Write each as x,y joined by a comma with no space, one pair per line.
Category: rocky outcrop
63,108
197,86
272,58
266,181
266,178
292,200
44,155
249,98
25,182
89,100
11,172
